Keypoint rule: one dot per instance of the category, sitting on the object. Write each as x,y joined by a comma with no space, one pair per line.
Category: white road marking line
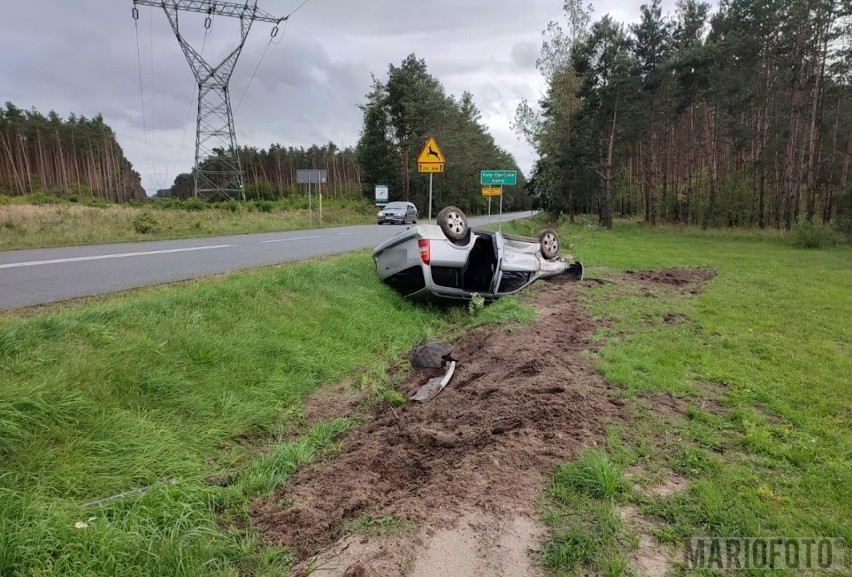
291,238
116,255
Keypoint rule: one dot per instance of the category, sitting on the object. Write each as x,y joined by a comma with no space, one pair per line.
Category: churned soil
679,277
522,400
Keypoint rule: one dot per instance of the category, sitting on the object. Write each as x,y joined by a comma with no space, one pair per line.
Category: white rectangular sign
381,194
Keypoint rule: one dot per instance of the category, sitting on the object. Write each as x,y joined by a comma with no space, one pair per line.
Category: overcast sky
80,56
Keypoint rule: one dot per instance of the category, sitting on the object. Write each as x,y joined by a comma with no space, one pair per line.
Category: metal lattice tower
217,173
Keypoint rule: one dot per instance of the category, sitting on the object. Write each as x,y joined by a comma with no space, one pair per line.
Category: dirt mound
674,276
521,401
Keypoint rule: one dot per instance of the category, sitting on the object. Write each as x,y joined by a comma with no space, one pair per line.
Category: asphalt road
40,276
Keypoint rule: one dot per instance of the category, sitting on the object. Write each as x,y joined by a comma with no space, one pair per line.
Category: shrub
809,235
193,203
39,198
230,205
146,223
96,203
264,205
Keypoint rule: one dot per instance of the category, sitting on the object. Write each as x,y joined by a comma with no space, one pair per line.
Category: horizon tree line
741,117
76,156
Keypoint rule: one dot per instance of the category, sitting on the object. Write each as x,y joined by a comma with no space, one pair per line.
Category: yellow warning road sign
430,167
492,191
431,153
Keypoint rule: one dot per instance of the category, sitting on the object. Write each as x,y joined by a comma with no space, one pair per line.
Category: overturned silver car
452,261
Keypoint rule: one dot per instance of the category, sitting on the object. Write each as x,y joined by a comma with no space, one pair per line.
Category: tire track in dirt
479,454
521,401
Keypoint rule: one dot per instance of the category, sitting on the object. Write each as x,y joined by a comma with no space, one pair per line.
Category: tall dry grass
37,226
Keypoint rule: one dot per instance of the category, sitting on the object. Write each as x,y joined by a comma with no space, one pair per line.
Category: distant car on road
398,213
452,261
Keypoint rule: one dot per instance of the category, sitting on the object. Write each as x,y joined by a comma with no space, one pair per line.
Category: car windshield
396,206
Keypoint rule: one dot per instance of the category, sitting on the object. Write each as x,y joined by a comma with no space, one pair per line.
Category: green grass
167,387
585,529
164,388
68,224
761,360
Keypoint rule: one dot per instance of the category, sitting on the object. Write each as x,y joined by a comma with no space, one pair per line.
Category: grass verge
754,371
186,401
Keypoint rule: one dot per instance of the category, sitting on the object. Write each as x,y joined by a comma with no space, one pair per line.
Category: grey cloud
81,57
524,54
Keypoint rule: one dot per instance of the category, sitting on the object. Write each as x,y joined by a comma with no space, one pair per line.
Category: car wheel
453,223
549,242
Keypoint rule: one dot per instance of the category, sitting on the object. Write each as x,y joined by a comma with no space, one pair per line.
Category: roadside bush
40,198
230,205
146,223
809,235
264,205
96,203
193,204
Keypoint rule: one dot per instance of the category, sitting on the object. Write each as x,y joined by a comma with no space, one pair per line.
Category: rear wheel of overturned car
453,223
549,242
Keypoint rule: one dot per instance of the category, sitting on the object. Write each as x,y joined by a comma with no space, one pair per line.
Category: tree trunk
816,110
606,212
710,151
403,157
15,173
844,174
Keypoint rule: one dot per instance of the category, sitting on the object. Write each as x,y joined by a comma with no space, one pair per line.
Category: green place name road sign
498,177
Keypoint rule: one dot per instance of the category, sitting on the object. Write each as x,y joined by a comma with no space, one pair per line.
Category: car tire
549,242
453,223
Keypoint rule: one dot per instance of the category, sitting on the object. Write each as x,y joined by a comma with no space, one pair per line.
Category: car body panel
487,263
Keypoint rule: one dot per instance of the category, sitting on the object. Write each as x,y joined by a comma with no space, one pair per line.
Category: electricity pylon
217,173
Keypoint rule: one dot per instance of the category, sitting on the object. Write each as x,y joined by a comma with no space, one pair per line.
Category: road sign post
310,176
500,226
430,160
498,179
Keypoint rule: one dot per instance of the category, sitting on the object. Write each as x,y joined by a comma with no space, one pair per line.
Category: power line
297,7
215,134
256,68
286,20
141,89
192,98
